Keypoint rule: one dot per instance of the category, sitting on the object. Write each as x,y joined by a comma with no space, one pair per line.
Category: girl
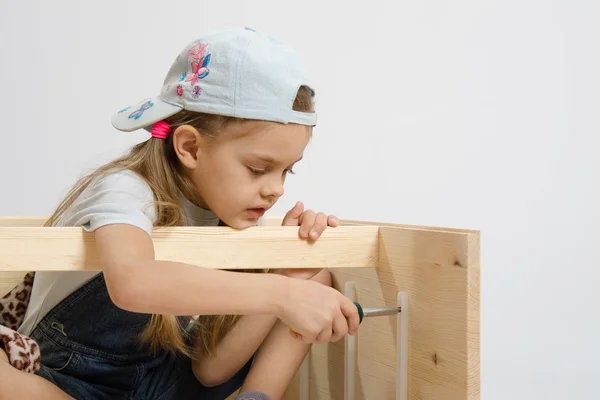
234,115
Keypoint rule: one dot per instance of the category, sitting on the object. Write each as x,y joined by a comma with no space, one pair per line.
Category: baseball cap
236,72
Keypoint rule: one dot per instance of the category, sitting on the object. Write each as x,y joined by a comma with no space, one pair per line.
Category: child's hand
317,313
311,224
309,221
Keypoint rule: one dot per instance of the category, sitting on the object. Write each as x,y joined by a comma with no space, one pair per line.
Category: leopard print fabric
22,351
14,304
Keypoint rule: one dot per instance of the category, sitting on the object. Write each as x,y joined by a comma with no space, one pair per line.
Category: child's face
242,175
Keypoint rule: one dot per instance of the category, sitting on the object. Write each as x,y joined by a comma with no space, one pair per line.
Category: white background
469,114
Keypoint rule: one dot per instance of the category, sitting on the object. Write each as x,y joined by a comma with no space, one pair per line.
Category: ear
187,143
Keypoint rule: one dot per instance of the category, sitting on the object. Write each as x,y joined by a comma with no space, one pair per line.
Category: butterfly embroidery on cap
138,113
123,110
200,57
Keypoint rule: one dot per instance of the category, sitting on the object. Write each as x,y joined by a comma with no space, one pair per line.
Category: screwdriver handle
361,312
360,315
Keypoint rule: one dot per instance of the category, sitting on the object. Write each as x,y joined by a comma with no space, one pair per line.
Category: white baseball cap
236,72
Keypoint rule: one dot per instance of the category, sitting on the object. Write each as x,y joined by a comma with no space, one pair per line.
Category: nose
273,188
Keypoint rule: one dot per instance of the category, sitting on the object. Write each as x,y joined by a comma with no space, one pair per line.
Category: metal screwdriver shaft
376,311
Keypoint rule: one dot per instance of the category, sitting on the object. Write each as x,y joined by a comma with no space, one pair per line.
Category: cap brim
143,114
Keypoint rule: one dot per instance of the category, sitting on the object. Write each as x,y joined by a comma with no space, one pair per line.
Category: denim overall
90,349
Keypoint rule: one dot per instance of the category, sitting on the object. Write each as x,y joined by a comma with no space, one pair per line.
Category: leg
15,384
174,380
279,356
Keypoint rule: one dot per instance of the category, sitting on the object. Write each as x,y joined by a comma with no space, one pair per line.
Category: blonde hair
156,162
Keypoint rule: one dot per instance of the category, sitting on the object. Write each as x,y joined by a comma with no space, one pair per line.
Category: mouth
257,212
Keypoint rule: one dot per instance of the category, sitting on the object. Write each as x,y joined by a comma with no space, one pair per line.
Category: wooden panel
9,279
69,248
22,221
439,268
276,221
349,222
267,221
440,271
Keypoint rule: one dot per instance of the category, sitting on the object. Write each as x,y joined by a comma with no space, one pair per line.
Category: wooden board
71,248
440,270
9,280
33,221
75,248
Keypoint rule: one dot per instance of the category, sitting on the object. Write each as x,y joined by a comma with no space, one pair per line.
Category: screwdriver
375,311
371,312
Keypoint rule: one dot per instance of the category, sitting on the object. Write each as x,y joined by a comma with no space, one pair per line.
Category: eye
289,171
256,171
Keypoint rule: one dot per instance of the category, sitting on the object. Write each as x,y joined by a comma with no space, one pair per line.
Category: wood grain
440,271
439,268
70,248
22,221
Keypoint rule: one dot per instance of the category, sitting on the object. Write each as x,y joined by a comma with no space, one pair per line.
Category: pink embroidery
196,92
197,51
200,57
179,90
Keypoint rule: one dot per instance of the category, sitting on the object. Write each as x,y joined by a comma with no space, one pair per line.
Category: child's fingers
340,328
292,217
308,220
350,310
333,221
319,226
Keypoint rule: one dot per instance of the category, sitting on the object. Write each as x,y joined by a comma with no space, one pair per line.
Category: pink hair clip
160,129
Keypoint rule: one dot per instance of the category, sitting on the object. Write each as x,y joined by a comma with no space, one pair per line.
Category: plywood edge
22,221
271,220
473,317
276,220
72,248
408,226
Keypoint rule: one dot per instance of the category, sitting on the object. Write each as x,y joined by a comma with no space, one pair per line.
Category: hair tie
160,129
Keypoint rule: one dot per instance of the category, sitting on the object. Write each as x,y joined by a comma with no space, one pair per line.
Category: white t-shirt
117,198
